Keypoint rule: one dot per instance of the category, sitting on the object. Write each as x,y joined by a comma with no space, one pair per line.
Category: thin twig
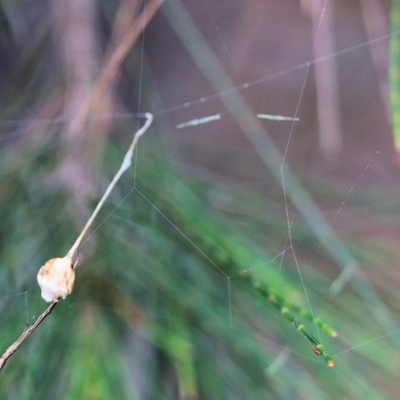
124,166
25,334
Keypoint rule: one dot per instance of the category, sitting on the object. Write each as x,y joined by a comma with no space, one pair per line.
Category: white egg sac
56,278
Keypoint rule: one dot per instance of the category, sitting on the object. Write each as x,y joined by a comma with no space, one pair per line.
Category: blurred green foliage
164,304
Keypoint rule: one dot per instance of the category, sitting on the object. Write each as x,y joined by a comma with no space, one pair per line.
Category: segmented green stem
305,314
318,347
227,264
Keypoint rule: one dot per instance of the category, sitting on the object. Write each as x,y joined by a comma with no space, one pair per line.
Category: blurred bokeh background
172,298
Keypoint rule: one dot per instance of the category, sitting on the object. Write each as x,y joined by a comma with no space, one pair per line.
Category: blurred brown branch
115,60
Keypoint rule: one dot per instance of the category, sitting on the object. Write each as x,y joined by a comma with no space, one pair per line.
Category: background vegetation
164,304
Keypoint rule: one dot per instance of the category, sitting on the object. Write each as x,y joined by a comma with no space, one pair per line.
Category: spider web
181,106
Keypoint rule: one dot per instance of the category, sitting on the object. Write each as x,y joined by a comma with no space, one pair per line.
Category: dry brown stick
25,334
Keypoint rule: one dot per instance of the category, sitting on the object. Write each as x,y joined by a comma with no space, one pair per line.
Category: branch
25,334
